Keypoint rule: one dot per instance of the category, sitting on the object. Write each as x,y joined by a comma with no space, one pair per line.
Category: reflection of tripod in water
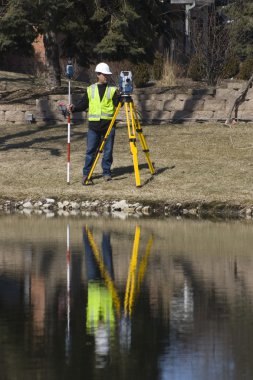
137,269
133,127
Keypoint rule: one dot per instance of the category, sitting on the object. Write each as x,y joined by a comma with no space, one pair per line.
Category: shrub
168,75
196,69
141,74
157,67
246,69
231,67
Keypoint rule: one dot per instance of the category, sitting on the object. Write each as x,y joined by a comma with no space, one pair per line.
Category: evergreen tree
16,32
62,23
88,30
239,15
127,28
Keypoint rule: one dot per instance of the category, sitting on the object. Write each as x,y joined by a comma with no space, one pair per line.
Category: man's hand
70,107
65,109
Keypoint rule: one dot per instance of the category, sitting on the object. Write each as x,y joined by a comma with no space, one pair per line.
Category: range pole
69,74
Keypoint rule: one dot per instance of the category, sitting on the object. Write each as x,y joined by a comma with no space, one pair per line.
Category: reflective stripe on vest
100,109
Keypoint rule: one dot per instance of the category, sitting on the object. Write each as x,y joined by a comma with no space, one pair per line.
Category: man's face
102,78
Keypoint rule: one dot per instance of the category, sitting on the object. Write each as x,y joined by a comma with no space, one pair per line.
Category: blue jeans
94,139
92,267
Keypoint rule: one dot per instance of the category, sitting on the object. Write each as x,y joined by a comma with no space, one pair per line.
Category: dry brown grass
168,73
195,162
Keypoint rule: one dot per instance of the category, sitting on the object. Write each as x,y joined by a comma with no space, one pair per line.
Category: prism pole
68,143
69,74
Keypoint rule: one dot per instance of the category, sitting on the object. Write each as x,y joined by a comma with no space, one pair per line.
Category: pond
104,298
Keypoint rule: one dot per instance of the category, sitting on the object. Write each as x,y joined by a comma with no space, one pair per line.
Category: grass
194,162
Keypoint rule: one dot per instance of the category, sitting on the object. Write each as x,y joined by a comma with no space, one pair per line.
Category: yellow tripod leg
101,147
142,139
143,264
130,286
133,147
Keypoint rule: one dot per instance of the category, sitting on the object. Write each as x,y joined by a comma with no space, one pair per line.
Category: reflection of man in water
100,318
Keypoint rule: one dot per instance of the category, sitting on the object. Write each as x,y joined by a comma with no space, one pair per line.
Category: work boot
107,177
84,179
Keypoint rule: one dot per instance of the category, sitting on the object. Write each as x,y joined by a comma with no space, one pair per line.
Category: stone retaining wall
154,105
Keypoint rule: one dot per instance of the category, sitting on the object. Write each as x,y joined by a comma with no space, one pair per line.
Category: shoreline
122,207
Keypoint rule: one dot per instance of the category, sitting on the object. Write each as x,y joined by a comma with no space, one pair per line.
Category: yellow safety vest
99,307
103,109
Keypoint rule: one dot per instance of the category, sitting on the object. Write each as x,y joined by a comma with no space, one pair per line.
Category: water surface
101,298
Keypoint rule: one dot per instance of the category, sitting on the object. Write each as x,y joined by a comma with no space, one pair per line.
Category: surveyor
101,100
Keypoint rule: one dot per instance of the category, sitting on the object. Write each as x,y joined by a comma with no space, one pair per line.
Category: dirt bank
200,167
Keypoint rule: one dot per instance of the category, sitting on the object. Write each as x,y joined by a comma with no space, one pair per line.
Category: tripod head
126,82
126,98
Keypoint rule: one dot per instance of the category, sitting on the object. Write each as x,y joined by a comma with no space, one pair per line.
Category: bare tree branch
239,100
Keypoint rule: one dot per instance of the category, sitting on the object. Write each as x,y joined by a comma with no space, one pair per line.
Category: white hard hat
103,68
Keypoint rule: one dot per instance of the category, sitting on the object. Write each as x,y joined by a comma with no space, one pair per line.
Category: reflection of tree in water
220,332
184,305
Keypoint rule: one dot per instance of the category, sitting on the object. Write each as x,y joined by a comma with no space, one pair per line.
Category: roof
197,2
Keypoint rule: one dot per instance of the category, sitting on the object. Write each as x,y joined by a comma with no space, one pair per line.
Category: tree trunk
52,58
239,100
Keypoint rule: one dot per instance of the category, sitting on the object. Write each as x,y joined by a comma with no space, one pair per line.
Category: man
100,100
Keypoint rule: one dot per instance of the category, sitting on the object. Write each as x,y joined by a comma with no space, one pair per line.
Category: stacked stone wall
153,105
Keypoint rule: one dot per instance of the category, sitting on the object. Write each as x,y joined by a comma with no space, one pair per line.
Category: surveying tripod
133,126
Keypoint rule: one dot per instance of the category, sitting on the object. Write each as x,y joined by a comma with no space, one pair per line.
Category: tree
239,14
24,20
127,28
88,30
48,18
59,21
16,32
212,47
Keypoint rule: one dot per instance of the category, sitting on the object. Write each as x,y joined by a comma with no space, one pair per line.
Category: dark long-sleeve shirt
83,105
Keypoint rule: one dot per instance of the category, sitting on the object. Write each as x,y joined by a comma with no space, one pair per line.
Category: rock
129,210
50,200
146,210
139,209
28,204
47,206
193,211
119,206
85,204
248,212
18,205
38,204
74,205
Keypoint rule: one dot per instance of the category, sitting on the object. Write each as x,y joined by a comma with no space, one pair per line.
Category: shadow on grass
29,139
117,173
129,169
158,172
